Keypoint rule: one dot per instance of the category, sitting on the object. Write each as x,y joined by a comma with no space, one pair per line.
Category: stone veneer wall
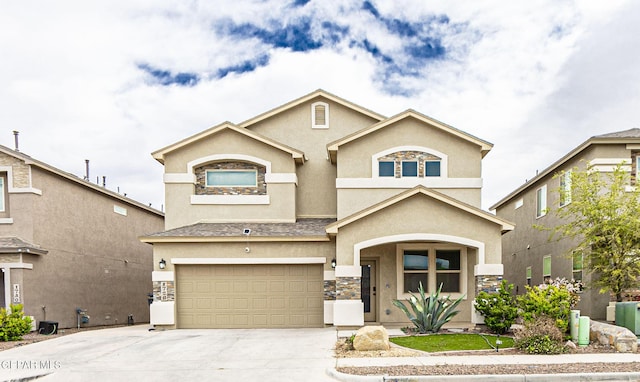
164,291
487,284
348,288
20,170
400,156
201,173
329,290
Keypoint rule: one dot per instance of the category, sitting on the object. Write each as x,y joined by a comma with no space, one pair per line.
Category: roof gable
308,97
333,147
631,136
505,225
160,154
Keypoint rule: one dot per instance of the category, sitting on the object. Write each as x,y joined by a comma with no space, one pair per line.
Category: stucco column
488,278
348,309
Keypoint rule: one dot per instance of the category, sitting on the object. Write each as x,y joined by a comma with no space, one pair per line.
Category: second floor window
565,188
2,191
409,169
231,178
541,201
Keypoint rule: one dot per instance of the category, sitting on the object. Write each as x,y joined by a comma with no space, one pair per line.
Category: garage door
249,296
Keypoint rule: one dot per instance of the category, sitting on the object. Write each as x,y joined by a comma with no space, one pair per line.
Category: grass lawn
449,342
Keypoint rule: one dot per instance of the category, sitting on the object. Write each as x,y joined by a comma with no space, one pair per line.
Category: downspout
7,287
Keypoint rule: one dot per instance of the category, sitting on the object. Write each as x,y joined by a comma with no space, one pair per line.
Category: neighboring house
527,254
320,212
66,243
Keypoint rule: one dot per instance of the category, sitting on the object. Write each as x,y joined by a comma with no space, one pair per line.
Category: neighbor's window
416,269
232,178
565,188
386,168
528,276
448,269
541,201
546,269
577,267
409,169
2,191
519,203
320,115
432,168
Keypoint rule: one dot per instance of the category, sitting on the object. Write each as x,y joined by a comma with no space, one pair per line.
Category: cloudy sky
112,81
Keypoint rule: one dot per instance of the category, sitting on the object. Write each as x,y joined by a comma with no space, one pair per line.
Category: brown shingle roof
302,227
12,244
631,133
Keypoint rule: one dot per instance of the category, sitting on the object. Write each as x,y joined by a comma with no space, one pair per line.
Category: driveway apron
137,354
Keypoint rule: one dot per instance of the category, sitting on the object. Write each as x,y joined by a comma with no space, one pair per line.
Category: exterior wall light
333,263
162,264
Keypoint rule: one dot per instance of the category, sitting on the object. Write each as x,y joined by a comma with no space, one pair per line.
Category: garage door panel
250,296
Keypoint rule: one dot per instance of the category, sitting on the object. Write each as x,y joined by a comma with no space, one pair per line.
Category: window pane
450,282
546,266
432,168
228,178
577,276
448,259
577,261
528,272
320,115
541,201
416,260
412,281
386,169
409,168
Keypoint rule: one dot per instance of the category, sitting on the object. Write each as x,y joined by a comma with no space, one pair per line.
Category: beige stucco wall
282,196
88,244
316,178
352,200
464,157
168,251
419,214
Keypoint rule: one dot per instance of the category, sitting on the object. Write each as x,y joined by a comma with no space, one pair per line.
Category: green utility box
628,316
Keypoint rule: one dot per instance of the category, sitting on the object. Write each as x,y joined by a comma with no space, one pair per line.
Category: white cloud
534,78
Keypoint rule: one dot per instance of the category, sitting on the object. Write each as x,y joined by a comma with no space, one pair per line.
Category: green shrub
499,309
540,336
13,323
428,314
548,300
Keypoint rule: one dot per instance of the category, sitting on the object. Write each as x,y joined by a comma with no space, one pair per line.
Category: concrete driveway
136,354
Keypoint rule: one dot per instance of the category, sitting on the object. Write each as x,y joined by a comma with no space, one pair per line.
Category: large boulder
371,338
621,339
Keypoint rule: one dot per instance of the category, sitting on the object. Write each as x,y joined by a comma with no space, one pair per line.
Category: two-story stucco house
527,254
320,212
67,243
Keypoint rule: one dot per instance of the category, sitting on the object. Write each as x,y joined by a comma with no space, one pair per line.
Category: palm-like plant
429,313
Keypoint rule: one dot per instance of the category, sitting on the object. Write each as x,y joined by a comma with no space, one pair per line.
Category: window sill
6,220
229,199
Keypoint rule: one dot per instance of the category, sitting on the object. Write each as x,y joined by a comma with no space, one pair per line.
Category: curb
569,377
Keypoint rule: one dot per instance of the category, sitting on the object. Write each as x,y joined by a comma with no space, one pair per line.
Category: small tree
429,313
603,215
499,309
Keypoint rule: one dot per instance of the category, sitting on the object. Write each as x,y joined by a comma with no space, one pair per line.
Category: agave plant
430,312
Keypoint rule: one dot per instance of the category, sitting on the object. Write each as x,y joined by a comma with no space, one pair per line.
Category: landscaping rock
621,339
371,338
571,345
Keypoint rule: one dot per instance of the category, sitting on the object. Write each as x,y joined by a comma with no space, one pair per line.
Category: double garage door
249,296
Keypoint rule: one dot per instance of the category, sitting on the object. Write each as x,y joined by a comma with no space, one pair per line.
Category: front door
368,289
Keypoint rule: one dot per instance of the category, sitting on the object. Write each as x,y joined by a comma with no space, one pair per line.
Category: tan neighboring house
66,243
320,212
527,254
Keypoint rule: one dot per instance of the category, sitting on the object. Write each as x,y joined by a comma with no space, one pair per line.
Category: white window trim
2,195
444,160
527,274
230,199
542,201
431,247
313,115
